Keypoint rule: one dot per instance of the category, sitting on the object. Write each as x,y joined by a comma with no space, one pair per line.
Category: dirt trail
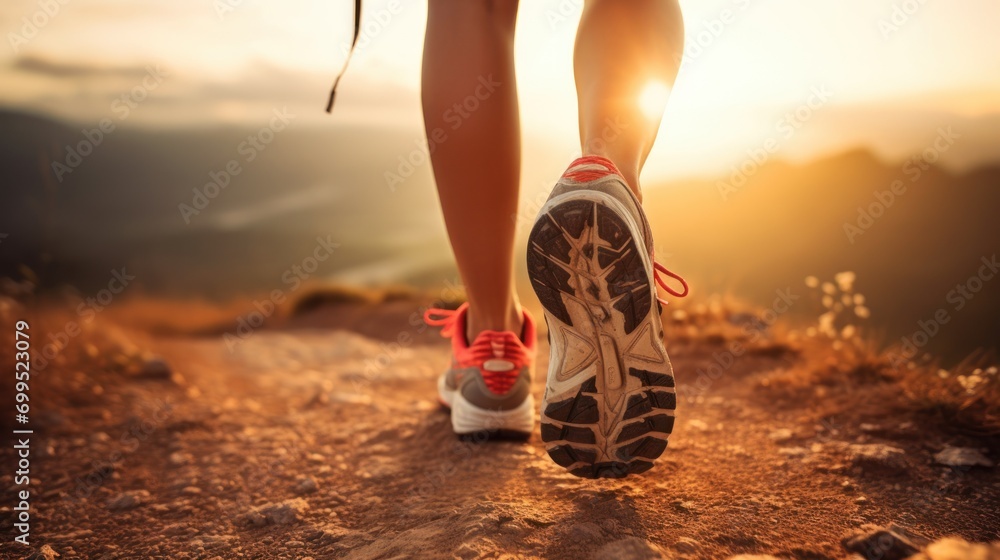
329,444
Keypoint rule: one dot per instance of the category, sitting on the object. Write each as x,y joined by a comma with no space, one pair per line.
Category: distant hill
120,207
788,222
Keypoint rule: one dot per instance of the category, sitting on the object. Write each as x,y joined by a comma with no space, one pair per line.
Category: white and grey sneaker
609,399
487,386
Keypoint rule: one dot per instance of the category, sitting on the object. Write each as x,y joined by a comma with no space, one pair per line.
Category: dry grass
840,362
200,317
174,316
321,295
967,395
965,398
721,320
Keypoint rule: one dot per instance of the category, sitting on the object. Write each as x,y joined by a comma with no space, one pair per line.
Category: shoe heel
610,394
469,419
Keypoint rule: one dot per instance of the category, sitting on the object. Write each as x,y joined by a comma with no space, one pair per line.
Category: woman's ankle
511,320
628,170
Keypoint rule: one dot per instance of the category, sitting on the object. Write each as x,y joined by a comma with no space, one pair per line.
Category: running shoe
609,398
488,386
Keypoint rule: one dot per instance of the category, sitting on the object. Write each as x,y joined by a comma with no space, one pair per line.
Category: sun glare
653,99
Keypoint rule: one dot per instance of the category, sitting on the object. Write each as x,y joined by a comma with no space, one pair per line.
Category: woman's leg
622,47
471,117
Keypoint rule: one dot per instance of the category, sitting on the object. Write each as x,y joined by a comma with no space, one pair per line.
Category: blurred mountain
748,234
121,205
909,250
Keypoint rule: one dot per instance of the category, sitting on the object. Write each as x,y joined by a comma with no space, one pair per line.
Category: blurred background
186,141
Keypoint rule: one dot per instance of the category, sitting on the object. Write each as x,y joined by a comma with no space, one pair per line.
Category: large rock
128,500
45,553
630,548
154,368
306,485
283,513
962,457
882,543
793,451
585,532
876,455
953,548
781,435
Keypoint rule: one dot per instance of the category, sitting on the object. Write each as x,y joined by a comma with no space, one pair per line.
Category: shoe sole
609,398
468,419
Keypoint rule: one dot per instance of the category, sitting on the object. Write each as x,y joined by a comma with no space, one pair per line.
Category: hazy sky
749,62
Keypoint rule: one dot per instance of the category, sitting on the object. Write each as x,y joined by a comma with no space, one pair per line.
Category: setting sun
653,99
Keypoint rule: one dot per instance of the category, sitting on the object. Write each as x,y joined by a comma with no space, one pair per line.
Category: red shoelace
581,170
444,318
657,269
488,345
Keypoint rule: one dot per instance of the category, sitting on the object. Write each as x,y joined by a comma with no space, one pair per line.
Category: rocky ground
309,441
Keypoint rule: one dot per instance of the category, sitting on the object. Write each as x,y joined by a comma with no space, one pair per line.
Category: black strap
357,31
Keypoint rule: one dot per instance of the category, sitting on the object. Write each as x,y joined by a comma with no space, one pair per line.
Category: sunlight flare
653,100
